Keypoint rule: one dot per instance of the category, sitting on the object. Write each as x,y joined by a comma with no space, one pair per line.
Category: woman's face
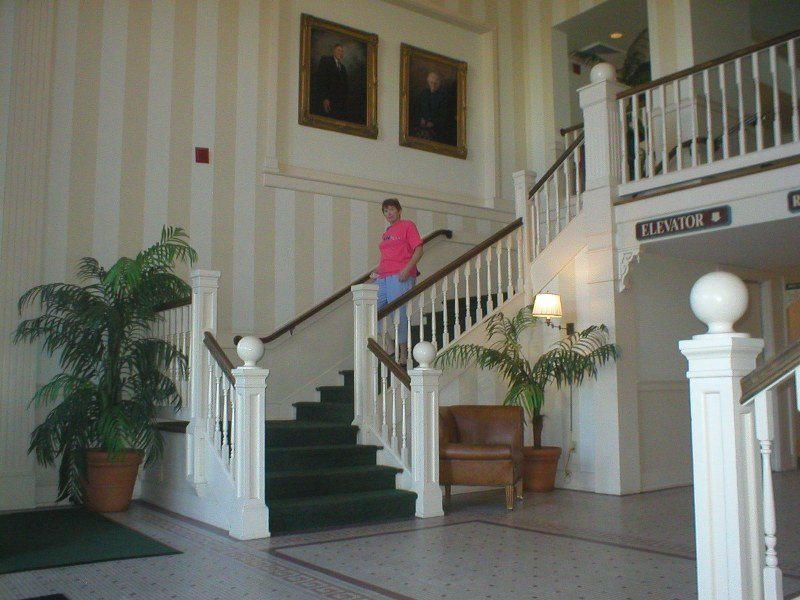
392,213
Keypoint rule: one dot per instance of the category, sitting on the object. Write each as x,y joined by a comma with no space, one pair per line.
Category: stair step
303,484
319,457
348,376
341,394
335,412
295,514
309,433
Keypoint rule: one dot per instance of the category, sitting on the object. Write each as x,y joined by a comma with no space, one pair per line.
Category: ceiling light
615,35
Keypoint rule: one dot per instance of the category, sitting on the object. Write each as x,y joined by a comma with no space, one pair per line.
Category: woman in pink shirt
401,249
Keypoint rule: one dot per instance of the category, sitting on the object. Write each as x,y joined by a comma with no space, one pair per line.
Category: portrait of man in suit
331,83
338,78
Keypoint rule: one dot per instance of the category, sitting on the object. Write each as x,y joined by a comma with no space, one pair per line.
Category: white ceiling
766,246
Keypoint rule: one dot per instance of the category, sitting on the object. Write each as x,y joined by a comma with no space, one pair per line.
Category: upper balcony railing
734,112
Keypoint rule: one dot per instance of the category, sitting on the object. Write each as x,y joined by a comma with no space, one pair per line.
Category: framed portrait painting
433,94
338,78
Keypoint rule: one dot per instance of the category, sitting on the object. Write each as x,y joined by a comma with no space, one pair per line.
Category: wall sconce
548,306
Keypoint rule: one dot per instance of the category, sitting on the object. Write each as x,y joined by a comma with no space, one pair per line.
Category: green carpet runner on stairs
318,476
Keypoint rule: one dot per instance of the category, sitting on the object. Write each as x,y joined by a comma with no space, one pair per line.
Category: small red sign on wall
202,155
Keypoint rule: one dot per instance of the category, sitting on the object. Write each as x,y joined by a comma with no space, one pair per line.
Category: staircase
318,476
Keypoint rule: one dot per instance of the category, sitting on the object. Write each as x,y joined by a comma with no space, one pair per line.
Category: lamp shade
547,306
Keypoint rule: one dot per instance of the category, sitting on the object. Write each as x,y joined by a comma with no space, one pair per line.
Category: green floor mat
41,539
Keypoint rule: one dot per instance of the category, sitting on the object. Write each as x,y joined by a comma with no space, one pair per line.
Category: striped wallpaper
136,86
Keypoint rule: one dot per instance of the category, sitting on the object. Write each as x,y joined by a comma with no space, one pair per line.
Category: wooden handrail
291,325
565,130
770,372
173,304
447,269
559,161
390,363
708,64
210,342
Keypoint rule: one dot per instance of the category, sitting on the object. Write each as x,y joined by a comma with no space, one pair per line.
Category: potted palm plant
113,374
568,362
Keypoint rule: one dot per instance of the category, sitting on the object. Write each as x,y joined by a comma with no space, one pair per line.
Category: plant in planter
568,362
113,375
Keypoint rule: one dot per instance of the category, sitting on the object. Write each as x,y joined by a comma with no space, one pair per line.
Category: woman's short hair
391,202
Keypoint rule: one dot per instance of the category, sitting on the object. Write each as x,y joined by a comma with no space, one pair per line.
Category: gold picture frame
338,78
433,102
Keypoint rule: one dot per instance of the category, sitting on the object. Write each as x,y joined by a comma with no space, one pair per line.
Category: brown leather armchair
481,445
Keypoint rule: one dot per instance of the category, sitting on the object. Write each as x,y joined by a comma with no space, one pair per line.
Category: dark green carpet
42,539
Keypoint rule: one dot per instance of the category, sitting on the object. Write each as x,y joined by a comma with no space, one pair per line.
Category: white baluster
740,96
776,104
489,299
569,183
479,310
637,165
650,151
520,259
793,79
773,579
662,95
676,90
757,90
218,408
433,315
510,282
210,393
384,401
623,126
467,298
421,307
498,254
409,316
445,320
456,303
557,188
709,129
694,124
226,433
726,143
393,421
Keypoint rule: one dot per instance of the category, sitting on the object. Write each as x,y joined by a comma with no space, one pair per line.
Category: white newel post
725,455
204,318
251,517
598,101
523,182
425,432
365,325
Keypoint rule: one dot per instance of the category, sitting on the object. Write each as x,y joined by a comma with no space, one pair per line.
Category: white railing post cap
424,353
719,299
250,349
603,72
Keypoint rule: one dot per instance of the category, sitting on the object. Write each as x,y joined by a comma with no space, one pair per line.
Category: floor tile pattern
566,544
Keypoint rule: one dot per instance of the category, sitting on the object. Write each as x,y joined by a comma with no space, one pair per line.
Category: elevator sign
684,223
794,201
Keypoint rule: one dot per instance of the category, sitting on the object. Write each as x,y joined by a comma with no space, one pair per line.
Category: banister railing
771,373
557,198
448,268
726,114
291,325
221,421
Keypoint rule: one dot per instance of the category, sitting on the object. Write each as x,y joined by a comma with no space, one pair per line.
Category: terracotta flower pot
541,465
109,485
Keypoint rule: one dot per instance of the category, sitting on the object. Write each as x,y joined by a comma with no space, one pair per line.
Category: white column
601,127
365,325
523,182
617,458
251,515
425,433
204,318
22,208
725,453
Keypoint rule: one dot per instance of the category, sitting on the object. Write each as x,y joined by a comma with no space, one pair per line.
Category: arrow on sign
715,216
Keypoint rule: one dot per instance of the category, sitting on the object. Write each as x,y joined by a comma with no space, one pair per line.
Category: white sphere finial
719,299
603,72
424,353
250,350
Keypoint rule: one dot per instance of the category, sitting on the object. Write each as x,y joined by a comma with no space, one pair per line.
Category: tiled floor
564,545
